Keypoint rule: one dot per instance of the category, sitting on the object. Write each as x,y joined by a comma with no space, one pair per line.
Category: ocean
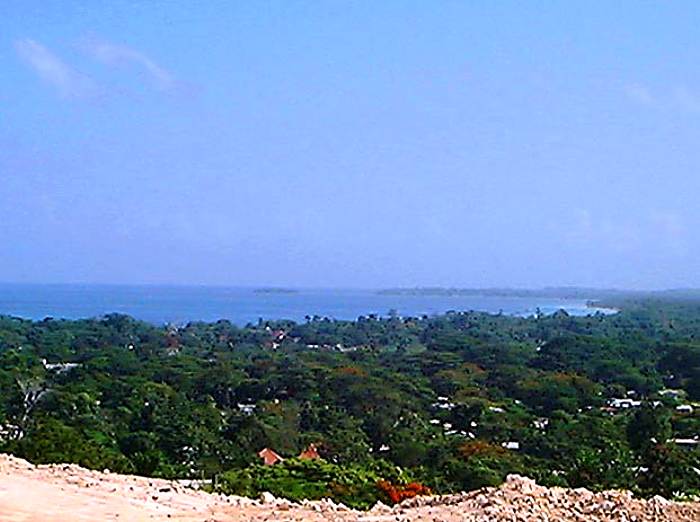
182,304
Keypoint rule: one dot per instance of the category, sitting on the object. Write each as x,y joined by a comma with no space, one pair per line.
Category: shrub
356,486
397,493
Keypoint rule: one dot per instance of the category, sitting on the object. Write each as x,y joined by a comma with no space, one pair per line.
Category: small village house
310,453
270,457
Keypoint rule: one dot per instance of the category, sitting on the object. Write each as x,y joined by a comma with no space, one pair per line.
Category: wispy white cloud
116,54
51,69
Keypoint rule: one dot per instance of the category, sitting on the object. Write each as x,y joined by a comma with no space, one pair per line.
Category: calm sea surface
162,304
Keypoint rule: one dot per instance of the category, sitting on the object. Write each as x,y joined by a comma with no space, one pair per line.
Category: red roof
269,456
310,453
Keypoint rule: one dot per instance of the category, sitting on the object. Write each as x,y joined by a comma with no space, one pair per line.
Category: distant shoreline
599,305
159,305
601,297
275,291
553,293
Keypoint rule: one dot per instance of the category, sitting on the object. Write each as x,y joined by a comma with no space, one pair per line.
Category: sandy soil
68,493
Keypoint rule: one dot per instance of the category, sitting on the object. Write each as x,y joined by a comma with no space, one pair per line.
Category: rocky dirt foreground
69,493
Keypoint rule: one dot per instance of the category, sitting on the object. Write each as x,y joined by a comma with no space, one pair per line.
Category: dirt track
68,493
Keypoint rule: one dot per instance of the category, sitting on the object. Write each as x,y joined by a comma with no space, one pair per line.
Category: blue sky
350,143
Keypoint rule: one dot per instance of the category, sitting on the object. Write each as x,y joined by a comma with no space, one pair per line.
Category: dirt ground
68,493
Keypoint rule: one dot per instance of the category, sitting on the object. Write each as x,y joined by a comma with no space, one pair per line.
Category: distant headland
275,290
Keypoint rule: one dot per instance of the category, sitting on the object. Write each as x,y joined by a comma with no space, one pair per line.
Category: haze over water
159,304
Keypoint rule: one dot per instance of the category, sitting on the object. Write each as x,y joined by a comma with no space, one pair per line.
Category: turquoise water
173,304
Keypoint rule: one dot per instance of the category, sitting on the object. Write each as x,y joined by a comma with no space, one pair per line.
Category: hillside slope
63,493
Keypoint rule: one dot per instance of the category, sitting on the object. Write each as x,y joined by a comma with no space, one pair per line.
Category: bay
182,304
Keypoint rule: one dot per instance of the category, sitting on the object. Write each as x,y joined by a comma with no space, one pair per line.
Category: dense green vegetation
454,402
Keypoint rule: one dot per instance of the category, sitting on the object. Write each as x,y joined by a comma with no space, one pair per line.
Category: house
674,394
59,367
624,403
686,443
279,335
270,457
310,453
10,432
246,409
511,445
684,408
443,403
541,423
